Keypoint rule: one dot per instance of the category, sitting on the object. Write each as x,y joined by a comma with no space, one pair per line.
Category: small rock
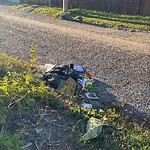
30,10
133,30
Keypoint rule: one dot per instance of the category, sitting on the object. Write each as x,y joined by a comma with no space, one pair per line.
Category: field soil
42,128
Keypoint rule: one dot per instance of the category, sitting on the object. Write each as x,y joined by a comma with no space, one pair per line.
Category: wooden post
139,8
65,5
50,2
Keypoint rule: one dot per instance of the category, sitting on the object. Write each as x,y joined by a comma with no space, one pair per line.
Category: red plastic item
88,75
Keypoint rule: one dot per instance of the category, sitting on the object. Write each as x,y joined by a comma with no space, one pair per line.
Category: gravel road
119,59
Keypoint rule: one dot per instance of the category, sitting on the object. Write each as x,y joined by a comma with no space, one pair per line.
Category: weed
112,19
49,11
9,142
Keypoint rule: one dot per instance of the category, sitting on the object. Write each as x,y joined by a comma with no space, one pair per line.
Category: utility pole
65,5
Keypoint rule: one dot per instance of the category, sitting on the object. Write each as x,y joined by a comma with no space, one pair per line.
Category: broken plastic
86,106
38,130
79,69
26,146
91,96
88,75
48,67
93,129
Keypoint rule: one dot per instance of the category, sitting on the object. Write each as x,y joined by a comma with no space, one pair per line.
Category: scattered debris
88,75
69,80
47,67
133,30
91,95
65,16
26,146
36,145
67,87
79,69
38,130
86,106
78,19
93,129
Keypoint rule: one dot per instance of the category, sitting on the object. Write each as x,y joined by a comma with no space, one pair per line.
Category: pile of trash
69,80
66,16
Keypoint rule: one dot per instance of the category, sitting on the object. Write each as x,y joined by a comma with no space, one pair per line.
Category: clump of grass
24,7
49,11
19,6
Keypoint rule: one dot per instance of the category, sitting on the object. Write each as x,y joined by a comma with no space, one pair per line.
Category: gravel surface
119,59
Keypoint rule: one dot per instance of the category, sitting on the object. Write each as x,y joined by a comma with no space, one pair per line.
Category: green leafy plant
9,142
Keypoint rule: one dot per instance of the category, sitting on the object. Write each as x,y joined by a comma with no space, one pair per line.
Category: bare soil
43,128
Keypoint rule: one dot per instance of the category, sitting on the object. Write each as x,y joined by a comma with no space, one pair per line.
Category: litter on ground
93,129
69,80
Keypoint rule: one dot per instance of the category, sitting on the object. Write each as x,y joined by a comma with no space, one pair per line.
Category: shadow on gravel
106,100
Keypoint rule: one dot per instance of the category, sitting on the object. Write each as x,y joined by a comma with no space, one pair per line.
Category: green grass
111,19
42,10
104,19
49,11
20,6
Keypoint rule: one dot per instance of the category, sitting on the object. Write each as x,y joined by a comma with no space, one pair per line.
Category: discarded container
49,67
88,75
79,69
44,70
88,85
86,106
91,96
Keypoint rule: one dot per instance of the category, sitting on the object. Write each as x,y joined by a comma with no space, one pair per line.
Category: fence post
65,5
139,8
50,2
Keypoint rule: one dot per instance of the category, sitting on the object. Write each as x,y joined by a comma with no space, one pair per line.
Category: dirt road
117,58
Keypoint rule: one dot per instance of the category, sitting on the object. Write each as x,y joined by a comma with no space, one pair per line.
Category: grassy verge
104,19
17,79
112,20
